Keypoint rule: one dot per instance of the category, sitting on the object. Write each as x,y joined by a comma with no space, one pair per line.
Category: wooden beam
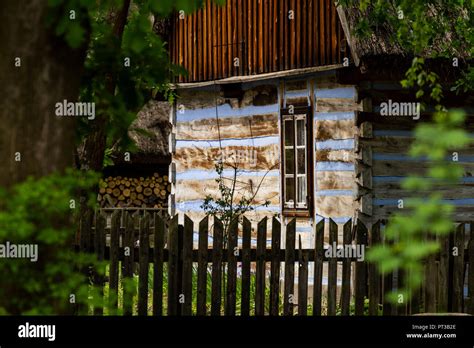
347,32
260,77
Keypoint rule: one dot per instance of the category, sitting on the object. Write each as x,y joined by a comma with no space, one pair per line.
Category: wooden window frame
307,211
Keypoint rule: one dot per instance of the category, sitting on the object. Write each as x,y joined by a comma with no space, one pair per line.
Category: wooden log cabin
290,94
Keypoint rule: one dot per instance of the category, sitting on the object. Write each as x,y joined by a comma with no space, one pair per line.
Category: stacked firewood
143,192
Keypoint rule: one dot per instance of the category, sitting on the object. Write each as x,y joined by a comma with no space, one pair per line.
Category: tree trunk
37,71
33,140
93,150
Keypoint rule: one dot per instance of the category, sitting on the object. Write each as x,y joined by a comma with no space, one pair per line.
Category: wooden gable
248,37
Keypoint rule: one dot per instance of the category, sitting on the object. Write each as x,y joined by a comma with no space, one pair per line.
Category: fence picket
360,271
443,275
187,260
128,264
374,276
173,259
318,268
387,289
288,301
302,279
114,262
470,280
85,232
429,283
275,268
202,266
217,268
458,270
246,245
346,271
144,247
231,269
415,302
99,247
260,272
158,245
402,301
332,269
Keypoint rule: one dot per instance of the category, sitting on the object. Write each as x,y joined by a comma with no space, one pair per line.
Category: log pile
143,192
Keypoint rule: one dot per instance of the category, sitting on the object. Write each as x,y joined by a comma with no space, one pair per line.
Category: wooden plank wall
383,154
263,35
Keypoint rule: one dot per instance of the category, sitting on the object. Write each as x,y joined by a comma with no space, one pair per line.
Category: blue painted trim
341,144
337,220
225,111
197,174
456,202
407,158
335,193
342,92
399,133
196,206
334,116
334,166
256,141
381,179
297,94
306,229
392,133
396,179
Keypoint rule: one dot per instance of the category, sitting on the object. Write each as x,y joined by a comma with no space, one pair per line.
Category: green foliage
70,20
429,215
431,29
366,308
38,212
424,30
423,80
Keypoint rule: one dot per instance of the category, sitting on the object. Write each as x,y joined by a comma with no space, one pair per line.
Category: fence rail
178,275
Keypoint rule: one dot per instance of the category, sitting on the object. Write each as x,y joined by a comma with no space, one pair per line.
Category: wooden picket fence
132,244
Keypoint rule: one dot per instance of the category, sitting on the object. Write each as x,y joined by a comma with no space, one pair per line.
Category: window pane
301,161
289,161
300,129
289,192
289,133
301,197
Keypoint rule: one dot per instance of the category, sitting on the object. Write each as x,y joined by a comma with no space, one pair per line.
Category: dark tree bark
33,140
49,73
93,149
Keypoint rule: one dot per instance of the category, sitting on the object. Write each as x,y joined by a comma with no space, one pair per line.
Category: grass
133,287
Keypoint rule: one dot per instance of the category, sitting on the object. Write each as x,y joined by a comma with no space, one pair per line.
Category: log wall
238,124
383,147
244,119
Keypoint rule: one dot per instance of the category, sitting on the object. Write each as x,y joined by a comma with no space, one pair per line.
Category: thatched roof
381,40
150,132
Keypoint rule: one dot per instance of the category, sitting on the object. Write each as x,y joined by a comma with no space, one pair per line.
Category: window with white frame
297,156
